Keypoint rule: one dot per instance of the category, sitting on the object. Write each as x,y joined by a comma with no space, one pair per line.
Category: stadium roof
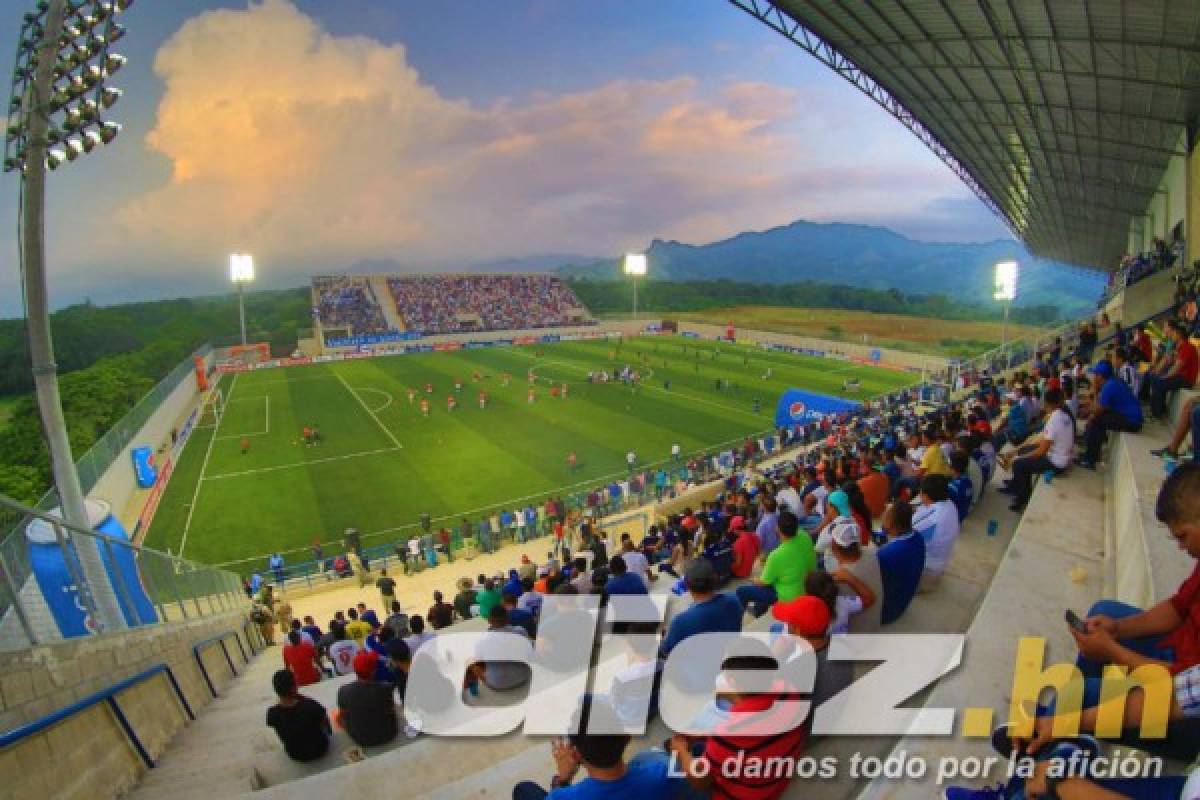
1060,114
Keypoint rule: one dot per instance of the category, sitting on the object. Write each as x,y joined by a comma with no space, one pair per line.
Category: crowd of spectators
346,301
432,304
1135,267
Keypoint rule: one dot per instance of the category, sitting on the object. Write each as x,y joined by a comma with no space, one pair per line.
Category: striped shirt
1187,691
767,763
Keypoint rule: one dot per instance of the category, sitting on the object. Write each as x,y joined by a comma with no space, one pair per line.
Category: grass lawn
382,463
6,408
951,338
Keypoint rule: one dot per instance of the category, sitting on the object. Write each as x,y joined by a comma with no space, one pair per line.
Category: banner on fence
797,407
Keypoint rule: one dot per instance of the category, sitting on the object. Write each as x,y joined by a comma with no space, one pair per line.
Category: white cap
844,531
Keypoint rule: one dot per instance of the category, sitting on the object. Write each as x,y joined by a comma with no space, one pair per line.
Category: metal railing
44,596
108,696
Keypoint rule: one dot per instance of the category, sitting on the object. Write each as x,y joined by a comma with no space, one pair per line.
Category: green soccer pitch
380,463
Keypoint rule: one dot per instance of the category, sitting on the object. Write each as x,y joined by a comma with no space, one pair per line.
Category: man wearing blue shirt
601,756
710,612
622,581
901,561
1116,409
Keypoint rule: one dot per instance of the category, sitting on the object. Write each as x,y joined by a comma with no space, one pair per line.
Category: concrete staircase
387,303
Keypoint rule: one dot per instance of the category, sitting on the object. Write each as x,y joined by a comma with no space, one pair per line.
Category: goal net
211,409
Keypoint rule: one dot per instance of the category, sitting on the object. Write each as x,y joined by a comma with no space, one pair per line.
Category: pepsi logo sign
797,409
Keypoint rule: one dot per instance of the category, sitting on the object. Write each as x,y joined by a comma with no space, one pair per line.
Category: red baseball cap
364,664
808,615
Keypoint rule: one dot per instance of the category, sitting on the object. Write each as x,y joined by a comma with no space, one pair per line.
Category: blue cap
1103,369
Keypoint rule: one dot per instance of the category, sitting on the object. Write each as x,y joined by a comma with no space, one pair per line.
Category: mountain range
863,256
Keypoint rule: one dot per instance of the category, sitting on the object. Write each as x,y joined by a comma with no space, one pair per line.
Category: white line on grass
293,465
578,368
386,402
378,421
187,523
318,377
266,418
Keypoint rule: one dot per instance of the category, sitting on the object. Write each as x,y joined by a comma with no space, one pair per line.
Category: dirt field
936,336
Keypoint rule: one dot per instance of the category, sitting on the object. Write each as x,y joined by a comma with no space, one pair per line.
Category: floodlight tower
241,272
635,267
1006,292
59,94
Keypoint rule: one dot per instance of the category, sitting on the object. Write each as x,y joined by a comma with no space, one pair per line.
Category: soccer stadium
431,503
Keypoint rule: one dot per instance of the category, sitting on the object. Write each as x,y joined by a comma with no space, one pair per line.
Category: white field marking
266,417
512,501
295,464
378,421
722,406
187,523
386,403
324,376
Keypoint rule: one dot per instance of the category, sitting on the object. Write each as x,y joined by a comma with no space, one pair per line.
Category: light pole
241,272
1006,292
58,95
635,267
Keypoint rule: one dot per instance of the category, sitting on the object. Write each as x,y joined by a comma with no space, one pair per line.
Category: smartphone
1075,621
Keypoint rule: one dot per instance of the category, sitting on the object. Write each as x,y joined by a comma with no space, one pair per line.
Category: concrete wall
87,755
1169,205
1144,299
118,485
1193,204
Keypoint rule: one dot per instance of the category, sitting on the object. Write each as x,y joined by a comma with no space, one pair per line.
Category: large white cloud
314,149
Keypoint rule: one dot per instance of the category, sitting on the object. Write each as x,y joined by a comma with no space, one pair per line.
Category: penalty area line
295,464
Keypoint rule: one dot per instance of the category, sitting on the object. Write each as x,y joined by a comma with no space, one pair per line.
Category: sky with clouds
318,134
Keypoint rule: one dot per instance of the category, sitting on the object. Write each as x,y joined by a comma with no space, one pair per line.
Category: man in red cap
807,617
368,711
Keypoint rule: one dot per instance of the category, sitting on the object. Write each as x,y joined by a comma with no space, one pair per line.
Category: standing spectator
368,712
275,563
1116,408
299,721
387,588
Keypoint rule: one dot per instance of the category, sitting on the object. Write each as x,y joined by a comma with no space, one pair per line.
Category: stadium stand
433,304
347,301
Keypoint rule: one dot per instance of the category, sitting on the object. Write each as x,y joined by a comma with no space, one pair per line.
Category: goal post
211,409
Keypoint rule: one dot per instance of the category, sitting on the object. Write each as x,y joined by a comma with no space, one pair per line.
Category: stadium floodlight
635,267
63,62
1006,292
241,272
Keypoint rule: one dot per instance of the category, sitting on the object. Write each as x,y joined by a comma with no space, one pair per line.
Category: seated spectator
783,575
718,551
488,599
745,552
497,672
710,612
875,487
367,710
530,601
419,635
1180,371
1167,634
581,578
1051,451
441,613
901,561
357,629
1189,422
602,757
739,765
465,598
518,617
635,561
300,722
937,522
621,580
635,686
962,492
855,568
767,530
1115,408
343,650
808,617
300,657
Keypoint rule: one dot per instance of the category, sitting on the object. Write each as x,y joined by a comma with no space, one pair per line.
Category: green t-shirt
789,564
487,601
